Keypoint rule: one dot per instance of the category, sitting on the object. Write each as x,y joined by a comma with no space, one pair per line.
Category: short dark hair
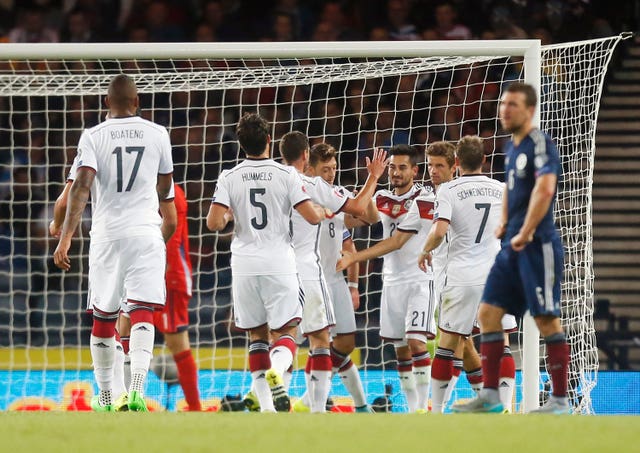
443,149
405,150
253,134
470,152
321,152
122,91
530,96
292,146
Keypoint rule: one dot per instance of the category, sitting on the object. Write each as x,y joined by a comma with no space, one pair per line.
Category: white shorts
407,309
318,309
459,308
342,307
509,323
275,300
130,266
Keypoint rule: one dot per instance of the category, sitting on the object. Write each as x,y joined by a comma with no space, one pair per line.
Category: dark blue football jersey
536,155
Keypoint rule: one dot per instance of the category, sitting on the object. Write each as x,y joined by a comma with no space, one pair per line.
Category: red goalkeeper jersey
178,275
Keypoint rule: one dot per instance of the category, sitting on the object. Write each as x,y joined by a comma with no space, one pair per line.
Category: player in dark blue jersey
528,269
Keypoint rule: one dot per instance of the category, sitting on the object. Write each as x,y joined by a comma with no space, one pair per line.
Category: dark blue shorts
527,280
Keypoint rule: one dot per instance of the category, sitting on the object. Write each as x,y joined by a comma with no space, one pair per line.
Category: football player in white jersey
334,236
318,314
125,163
408,298
267,296
469,209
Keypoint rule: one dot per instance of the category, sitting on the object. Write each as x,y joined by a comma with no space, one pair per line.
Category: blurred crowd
310,20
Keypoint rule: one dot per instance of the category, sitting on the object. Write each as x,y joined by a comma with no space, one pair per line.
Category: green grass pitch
306,433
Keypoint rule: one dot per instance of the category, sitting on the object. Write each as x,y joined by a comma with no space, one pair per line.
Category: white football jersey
306,237
401,266
418,221
332,235
473,206
71,176
127,155
262,194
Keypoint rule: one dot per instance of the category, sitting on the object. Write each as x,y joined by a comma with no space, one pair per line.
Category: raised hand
378,163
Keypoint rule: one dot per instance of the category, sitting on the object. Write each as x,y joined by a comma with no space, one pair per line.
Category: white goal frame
529,50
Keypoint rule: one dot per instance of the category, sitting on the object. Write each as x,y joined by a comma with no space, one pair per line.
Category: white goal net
371,97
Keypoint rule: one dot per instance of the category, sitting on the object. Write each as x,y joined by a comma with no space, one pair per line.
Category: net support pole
530,333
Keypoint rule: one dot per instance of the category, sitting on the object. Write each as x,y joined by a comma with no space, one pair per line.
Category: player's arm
169,219
218,217
163,186
541,198
311,212
78,197
435,237
360,205
353,273
501,230
383,247
59,210
370,216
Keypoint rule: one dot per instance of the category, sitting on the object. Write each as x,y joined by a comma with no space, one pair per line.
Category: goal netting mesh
355,104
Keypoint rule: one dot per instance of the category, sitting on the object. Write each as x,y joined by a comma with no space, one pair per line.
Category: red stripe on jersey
426,209
395,208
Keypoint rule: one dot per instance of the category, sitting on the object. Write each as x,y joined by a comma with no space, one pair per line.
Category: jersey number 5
136,165
258,224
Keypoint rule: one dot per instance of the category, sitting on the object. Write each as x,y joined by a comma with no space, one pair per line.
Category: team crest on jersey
521,165
407,204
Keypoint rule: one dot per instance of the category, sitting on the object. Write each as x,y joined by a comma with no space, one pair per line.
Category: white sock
126,370
281,359
506,387
118,372
422,377
450,388
140,352
262,391
306,398
103,354
321,385
440,393
351,380
320,379
286,378
408,385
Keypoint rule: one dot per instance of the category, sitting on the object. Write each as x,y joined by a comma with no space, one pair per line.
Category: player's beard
402,185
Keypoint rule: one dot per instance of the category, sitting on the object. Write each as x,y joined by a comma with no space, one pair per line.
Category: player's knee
344,343
140,313
489,317
417,342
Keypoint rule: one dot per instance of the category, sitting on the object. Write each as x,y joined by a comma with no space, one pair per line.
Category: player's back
127,155
261,193
472,204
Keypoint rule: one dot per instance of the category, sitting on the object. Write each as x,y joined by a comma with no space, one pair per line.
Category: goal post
355,95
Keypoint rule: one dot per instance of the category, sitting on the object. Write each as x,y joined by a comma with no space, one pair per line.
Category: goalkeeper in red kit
173,320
